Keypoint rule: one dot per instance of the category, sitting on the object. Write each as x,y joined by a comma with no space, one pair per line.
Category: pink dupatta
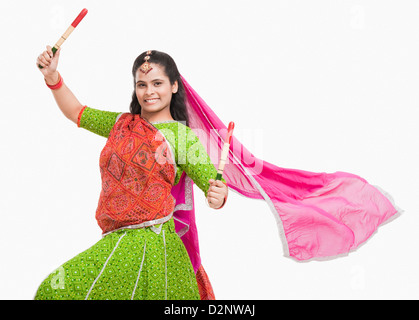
319,215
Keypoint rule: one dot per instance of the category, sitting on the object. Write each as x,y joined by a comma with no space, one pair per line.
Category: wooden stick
67,33
224,153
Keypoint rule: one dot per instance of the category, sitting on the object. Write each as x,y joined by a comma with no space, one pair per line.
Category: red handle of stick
230,132
79,17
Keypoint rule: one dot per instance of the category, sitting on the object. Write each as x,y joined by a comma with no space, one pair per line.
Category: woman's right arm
66,100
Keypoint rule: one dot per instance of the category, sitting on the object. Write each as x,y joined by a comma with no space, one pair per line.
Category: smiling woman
146,211
155,90
147,178
159,94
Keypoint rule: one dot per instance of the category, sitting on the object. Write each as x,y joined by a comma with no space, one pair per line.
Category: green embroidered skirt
148,263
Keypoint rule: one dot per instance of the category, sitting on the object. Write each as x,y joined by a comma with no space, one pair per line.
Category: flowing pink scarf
319,215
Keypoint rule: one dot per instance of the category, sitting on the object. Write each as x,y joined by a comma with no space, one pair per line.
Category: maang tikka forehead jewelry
146,67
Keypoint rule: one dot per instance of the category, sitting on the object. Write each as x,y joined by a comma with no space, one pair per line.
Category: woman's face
154,91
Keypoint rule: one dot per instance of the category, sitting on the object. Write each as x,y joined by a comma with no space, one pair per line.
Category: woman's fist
49,62
216,194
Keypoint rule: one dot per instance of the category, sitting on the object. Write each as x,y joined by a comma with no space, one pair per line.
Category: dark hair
177,105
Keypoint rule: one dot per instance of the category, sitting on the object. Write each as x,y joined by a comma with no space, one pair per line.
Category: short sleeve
97,121
195,161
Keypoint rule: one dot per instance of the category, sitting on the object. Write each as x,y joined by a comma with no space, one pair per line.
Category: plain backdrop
321,86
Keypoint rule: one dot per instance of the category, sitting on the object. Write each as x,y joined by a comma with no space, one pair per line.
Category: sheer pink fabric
319,215
184,217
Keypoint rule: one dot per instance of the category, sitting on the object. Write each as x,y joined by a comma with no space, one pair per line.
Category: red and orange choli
138,173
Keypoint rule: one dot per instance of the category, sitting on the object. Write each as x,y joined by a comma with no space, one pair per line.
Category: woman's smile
151,101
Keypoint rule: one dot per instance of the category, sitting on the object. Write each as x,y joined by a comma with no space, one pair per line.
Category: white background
321,86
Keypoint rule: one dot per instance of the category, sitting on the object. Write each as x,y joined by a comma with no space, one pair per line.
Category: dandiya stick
224,152
67,33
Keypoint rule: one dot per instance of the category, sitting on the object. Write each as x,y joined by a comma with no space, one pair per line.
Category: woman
148,152
319,215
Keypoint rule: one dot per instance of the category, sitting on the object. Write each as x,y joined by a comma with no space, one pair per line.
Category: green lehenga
140,264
